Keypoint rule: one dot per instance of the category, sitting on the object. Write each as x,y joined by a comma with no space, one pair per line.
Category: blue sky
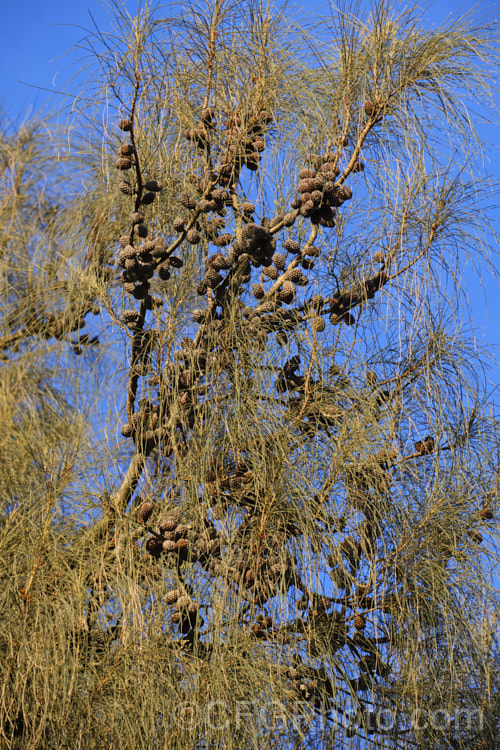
40,42
38,33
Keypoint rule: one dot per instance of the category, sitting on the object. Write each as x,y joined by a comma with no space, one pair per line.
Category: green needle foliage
251,501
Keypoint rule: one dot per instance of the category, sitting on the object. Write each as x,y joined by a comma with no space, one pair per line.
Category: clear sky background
40,45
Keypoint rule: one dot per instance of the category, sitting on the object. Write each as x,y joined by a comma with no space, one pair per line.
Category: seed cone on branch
125,188
153,186
145,511
193,237
123,162
187,201
318,324
172,596
426,446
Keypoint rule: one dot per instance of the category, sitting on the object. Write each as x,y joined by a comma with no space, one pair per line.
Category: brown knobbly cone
153,186
123,162
145,511
126,124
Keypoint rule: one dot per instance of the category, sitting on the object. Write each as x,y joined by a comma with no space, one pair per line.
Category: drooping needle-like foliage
250,501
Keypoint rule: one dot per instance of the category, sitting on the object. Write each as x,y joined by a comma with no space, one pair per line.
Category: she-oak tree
251,504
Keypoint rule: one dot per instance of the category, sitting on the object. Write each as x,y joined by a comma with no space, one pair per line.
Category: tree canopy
249,456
